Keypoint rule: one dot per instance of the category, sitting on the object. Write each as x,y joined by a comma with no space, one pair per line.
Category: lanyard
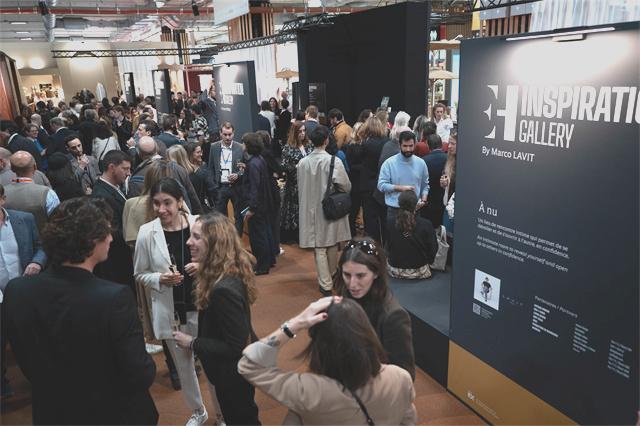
228,159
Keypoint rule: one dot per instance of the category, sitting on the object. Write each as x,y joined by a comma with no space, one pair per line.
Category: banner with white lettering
236,95
545,280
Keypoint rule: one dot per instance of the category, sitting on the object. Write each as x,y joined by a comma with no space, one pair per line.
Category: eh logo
509,113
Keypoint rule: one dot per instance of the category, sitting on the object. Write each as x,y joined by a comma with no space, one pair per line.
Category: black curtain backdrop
367,55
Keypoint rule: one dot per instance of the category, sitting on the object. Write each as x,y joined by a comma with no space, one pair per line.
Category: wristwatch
286,330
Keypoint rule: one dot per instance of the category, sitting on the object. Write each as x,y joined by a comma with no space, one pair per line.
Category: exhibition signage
237,96
162,90
318,97
225,10
545,292
129,88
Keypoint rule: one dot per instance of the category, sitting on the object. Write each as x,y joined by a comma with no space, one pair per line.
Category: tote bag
440,262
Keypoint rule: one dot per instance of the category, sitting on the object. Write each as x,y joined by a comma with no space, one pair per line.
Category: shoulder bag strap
106,145
363,408
329,183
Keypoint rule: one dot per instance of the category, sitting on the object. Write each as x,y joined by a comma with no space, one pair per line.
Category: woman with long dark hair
362,276
347,383
225,290
164,266
411,242
104,140
275,172
185,120
298,146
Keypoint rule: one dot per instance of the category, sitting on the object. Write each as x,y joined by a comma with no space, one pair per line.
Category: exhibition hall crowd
122,227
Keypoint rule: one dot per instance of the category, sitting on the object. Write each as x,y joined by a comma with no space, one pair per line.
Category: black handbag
338,204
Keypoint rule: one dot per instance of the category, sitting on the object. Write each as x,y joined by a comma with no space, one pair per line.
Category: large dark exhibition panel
545,292
236,95
365,56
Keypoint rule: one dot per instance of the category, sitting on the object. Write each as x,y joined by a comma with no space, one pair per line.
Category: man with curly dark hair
78,338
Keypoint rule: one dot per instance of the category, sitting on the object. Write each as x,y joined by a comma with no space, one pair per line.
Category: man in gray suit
20,253
226,164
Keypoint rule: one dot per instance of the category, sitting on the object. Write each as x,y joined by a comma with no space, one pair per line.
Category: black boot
173,372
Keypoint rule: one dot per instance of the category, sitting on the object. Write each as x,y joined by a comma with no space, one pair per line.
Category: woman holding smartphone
225,291
163,265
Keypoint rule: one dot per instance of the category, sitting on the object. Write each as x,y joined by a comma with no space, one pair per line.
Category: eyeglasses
363,245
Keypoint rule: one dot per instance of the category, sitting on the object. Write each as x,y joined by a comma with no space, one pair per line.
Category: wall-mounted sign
236,94
162,90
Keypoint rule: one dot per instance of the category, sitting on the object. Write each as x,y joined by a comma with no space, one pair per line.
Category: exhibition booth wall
365,56
545,293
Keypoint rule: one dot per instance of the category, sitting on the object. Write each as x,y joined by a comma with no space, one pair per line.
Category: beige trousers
326,264
185,364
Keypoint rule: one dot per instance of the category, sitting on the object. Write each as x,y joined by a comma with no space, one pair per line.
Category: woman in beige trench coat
316,231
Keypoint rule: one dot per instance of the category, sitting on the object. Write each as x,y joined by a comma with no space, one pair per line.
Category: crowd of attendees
95,195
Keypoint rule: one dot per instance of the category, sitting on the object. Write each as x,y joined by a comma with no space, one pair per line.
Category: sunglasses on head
363,245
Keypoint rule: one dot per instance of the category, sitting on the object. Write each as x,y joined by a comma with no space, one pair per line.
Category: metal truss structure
202,51
289,32
459,11
449,10
479,5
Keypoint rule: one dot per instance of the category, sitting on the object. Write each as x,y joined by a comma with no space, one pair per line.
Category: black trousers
261,240
275,229
375,217
356,203
236,398
433,211
227,193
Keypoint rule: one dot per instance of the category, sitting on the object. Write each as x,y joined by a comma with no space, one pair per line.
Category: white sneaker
153,349
219,420
281,251
198,419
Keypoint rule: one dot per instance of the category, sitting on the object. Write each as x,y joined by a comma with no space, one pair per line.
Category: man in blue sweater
403,172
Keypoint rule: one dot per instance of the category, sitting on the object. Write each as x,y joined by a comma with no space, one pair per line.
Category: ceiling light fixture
194,7
159,4
23,32
26,39
43,8
19,23
560,35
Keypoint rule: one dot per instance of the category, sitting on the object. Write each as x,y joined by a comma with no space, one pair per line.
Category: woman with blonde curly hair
225,290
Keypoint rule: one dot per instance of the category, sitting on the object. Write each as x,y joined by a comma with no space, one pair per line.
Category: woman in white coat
163,266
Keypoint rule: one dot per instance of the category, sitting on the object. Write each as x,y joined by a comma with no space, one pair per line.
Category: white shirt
269,115
444,128
226,162
9,257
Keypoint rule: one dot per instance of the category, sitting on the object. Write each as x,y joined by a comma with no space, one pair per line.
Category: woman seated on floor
411,241
347,383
